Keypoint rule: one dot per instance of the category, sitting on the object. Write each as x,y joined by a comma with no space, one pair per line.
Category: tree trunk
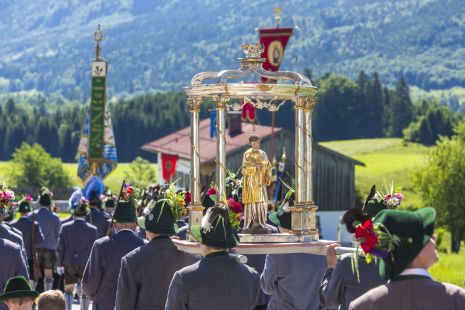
455,242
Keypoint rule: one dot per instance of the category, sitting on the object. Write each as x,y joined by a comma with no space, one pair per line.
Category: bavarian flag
97,148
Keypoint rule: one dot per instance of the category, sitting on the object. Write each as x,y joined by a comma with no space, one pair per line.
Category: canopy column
308,109
300,210
195,207
221,146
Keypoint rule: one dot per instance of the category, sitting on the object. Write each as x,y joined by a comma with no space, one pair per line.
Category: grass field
385,160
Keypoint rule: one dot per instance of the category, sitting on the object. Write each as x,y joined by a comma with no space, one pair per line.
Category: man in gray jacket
50,225
101,274
26,225
97,216
159,259
218,281
405,263
292,280
74,245
12,264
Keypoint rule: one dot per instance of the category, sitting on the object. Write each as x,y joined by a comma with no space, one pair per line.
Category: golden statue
256,169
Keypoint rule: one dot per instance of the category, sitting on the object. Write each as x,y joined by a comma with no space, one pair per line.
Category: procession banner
274,41
97,149
168,165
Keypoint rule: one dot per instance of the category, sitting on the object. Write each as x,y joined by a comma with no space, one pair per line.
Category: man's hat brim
18,294
168,231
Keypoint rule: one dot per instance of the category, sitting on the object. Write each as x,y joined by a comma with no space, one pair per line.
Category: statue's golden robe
254,183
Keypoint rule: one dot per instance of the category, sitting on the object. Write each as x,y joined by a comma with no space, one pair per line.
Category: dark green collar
410,277
220,253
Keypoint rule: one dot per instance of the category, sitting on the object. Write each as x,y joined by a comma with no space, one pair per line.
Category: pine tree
401,109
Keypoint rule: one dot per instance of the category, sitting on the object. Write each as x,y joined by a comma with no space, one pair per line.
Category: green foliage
400,109
441,182
140,173
436,121
32,167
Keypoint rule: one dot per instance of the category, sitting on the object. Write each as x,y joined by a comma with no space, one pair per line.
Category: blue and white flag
109,163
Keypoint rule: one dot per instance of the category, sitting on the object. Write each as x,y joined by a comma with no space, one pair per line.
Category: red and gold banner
274,41
168,166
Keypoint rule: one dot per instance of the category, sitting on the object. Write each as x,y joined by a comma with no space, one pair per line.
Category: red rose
211,191
130,190
366,235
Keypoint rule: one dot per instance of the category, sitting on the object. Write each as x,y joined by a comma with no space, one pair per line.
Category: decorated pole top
285,85
277,15
98,37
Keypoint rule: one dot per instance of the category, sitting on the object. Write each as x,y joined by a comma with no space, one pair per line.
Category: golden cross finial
278,11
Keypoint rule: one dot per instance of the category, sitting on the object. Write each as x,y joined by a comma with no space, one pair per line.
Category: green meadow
386,160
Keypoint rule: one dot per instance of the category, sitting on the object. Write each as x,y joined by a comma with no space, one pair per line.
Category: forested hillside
345,109
159,45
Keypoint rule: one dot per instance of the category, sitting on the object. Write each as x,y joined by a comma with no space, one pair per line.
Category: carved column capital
309,104
194,104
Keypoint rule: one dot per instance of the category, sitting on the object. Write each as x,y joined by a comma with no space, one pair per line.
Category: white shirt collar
416,271
79,219
24,217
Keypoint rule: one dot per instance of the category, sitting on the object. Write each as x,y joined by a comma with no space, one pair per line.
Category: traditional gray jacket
100,220
156,261
216,282
12,264
412,293
50,225
340,286
8,234
293,280
76,241
100,277
24,225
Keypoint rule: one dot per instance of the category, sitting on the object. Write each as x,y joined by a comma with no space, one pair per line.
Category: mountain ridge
160,45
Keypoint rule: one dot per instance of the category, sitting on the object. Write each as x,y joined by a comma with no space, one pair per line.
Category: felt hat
45,197
25,205
282,216
82,209
94,200
18,287
372,206
158,218
411,231
125,212
215,229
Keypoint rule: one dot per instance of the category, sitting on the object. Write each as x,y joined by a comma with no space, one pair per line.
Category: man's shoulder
191,269
102,242
7,245
370,297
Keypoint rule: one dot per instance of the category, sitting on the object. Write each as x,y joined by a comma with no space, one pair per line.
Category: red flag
274,41
248,112
168,166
